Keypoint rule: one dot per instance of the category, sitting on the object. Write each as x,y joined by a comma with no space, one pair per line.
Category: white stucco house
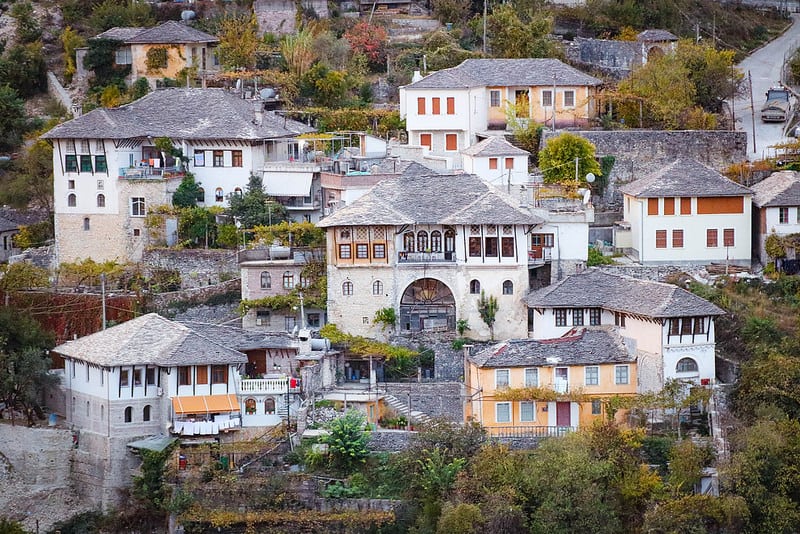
686,213
108,173
497,161
671,329
776,209
452,109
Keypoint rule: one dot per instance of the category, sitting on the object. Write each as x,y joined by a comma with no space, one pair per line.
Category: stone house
670,329
619,58
427,247
108,172
452,109
685,213
497,161
568,378
776,209
168,50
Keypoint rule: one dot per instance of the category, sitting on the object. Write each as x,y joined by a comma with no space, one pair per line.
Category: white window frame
552,99
497,406
522,418
138,207
586,375
534,372
492,93
627,375
500,372
571,92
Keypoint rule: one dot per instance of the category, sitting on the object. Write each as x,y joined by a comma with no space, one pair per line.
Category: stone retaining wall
39,456
437,399
163,303
390,440
197,267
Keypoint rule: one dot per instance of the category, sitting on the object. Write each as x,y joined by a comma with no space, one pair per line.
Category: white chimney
416,77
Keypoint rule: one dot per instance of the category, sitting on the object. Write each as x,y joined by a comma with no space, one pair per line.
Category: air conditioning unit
159,391
259,322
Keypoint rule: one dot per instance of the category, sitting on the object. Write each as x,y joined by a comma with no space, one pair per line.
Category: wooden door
563,414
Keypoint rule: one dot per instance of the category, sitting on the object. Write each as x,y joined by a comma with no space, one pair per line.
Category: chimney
258,113
416,77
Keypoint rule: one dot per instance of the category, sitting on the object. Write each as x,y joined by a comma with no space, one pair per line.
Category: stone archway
427,305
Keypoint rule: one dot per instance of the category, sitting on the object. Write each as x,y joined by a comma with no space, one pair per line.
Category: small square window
527,412
137,207
378,251
561,317
137,232
494,98
621,376
503,412
597,407
344,252
362,251
569,99
501,378
124,378
532,378
591,375
595,315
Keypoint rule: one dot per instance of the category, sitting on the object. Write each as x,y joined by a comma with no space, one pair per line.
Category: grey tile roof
171,32
7,226
120,33
432,199
402,167
240,339
778,189
590,346
180,114
24,217
594,288
149,340
655,36
497,145
684,178
505,73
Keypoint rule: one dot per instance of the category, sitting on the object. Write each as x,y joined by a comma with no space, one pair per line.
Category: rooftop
419,200
149,340
650,36
496,145
778,189
589,346
506,73
594,288
7,226
180,114
240,339
684,178
170,32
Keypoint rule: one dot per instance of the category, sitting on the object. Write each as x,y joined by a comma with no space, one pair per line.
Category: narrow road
765,66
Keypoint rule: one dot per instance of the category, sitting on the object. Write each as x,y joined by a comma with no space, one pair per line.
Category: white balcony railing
561,386
268,386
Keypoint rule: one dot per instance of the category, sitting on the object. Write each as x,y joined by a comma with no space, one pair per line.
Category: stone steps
403,409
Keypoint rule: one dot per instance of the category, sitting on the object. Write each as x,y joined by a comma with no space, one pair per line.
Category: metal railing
266,385
530,431
426,257
153,173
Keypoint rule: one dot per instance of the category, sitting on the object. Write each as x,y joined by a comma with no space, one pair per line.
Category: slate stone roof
505,73
684,178
240,339
594,288
496,145
120,33
432,199
149,340
7,226
778,189
171,32
402,167
180,114
650,36
23,217
590,346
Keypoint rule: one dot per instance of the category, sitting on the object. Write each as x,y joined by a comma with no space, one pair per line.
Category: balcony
292,166
530,431
426,257
150,173
561,386
268,386
540,255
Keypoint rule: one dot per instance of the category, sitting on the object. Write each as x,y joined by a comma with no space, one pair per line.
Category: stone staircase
401,408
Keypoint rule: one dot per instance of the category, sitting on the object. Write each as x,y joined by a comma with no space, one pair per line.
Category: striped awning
205,404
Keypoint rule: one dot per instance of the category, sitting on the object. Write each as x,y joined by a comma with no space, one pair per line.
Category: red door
563,414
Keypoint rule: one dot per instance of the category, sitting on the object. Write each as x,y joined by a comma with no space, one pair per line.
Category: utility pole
752,109
485,4
103,297
553,102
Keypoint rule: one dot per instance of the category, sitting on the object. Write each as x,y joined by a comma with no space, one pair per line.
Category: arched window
422,241
686,365
146,413
288,280
219,195
408,241
72,200
347,288
474,287
436,241
304,281
201,194
508,287
269,406
449,241
128,414
101,200
266,280
86,224
250,406
377,287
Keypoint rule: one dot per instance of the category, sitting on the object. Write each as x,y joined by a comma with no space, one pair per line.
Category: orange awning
205,404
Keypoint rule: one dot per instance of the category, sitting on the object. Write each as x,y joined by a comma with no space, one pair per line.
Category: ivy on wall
156,59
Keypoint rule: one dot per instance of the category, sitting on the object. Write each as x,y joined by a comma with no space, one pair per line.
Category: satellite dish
267,93
590,177
187,15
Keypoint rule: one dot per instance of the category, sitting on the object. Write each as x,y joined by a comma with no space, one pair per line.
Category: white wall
500,176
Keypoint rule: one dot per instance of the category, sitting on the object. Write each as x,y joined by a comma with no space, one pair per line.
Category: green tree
70,40
557,160
100,60
23,275
347,441
519,35
198,226
255,207
488,307
238,41
28,28
298,52
452,11
13,121
462,518
24,68
149,487
327,88
697,514
8,526
712,72
187,193
111,13
30,182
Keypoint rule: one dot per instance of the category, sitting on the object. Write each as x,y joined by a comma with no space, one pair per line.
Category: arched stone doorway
427,305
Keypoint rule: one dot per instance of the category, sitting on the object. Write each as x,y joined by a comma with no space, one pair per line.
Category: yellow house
548,386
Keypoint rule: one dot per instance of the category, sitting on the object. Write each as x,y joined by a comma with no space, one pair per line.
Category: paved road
765,67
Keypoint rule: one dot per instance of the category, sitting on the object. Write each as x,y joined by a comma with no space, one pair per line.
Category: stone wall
167,303
437,399
38,455
640,152
197,267
390,440
449,362
655,273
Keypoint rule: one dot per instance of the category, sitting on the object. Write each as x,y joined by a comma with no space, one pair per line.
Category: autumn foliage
370,40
